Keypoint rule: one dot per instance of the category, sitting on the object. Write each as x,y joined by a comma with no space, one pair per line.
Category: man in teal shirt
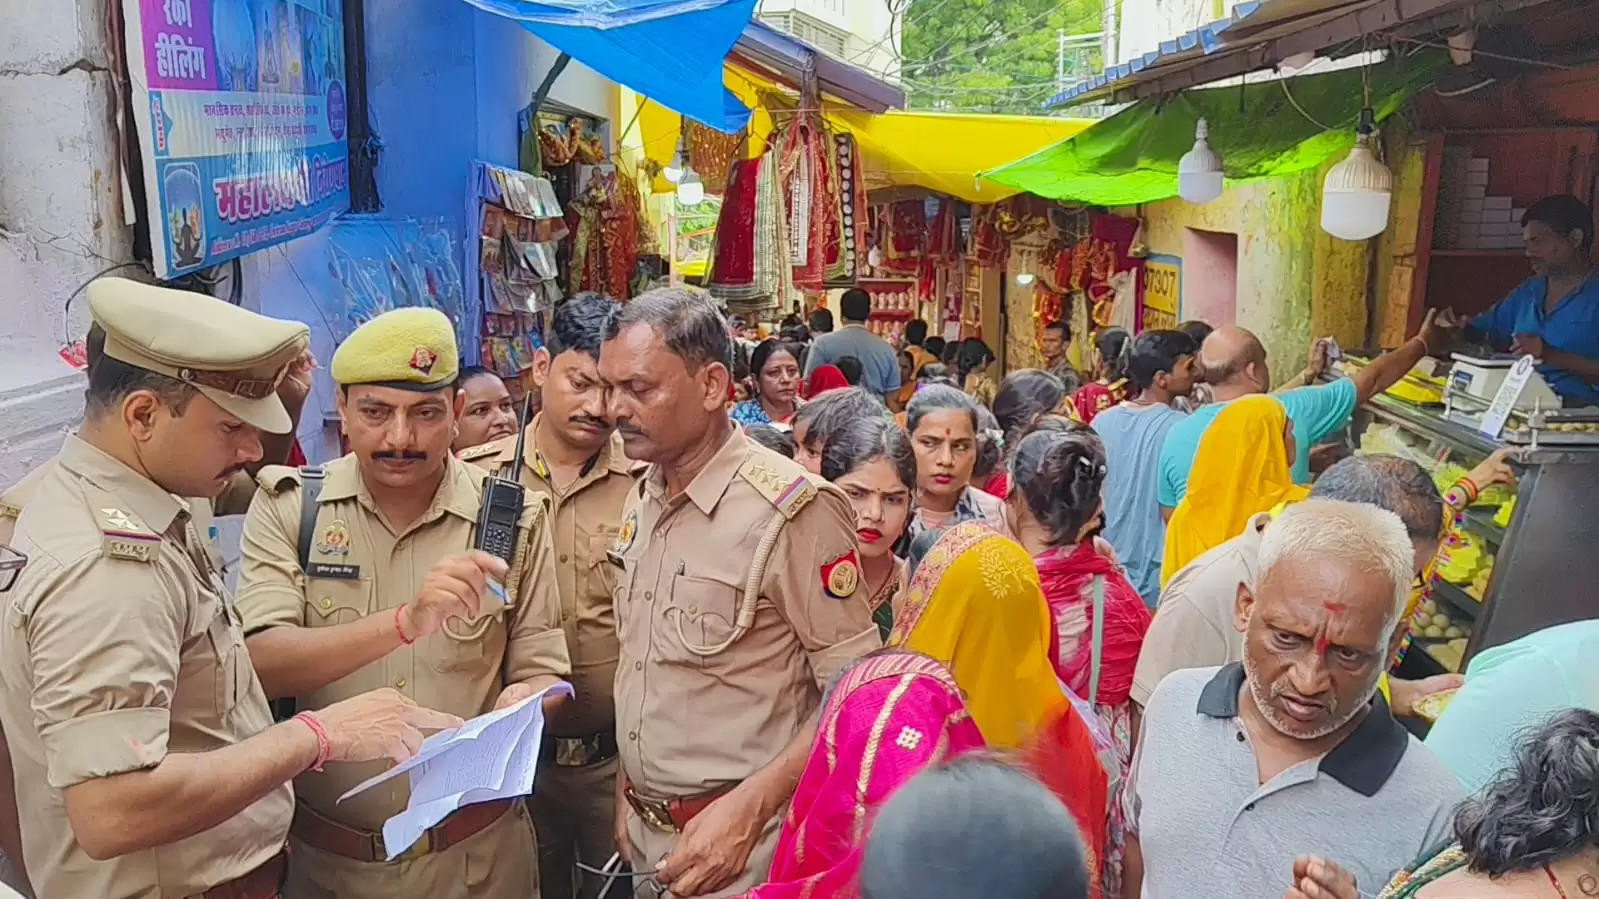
1512,689
1234,364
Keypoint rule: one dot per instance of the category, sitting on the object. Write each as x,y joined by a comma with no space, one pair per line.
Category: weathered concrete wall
60,213
1295,281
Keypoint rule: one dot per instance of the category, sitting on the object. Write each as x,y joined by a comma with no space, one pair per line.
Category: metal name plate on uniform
332,571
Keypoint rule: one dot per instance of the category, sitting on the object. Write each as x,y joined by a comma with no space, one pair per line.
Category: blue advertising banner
241,112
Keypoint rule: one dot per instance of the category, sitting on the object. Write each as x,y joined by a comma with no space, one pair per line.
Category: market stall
1516,560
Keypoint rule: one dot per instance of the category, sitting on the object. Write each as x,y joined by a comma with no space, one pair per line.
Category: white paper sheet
492,756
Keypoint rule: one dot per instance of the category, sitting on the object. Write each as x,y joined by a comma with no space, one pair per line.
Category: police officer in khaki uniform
146,761
736,603
391,593
234,499
573,456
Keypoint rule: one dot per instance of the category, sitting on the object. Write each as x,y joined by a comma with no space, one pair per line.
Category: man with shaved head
1234,364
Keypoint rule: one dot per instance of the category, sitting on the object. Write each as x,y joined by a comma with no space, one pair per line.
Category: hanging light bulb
690,190
674,169
1358,191
1025,278
1199,177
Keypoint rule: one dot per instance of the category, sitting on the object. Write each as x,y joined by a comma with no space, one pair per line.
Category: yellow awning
941,152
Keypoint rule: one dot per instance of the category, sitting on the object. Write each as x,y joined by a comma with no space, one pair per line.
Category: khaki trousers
574,810
498,862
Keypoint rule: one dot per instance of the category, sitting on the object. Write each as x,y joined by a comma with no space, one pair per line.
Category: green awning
1131,157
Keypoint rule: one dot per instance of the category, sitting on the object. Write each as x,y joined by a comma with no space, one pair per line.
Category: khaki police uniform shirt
360,565
118,647
587,517
688,723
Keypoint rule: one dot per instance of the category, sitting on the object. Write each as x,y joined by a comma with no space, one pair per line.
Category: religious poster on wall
1163,289
241,114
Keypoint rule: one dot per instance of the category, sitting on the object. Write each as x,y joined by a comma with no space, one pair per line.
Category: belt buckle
573,752
655,812
421,847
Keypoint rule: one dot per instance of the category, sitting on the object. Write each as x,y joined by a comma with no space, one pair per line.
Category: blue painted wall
445,81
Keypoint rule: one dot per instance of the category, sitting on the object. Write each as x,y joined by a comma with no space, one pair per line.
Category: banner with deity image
240,107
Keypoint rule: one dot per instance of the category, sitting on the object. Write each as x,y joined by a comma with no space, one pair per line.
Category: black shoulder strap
311,477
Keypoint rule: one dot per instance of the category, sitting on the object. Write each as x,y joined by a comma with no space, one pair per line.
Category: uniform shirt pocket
465,646
331,601
698,617
233,672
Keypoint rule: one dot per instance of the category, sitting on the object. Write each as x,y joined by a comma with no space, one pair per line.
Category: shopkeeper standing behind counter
1554,315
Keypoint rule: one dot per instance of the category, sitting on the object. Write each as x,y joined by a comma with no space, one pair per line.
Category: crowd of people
840,619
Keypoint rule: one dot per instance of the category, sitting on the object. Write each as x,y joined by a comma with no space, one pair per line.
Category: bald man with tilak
1234,364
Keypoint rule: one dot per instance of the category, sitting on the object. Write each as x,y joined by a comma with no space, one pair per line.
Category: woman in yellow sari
974,603
1242,468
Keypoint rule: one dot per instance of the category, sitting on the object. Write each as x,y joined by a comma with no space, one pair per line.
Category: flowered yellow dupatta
1241,469
974,604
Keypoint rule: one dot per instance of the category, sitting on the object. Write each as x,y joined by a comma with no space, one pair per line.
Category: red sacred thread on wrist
399,629
323,747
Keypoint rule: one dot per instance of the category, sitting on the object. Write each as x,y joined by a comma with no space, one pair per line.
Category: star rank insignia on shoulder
125,537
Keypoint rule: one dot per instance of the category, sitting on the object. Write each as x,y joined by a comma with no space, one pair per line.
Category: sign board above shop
1163,292
241,112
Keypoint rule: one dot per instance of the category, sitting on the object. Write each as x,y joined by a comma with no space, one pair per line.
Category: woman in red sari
1112,350
885,719
1054,508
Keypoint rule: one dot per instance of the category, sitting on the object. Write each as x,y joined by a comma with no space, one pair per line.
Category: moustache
627,429
589,420
400,456
231,470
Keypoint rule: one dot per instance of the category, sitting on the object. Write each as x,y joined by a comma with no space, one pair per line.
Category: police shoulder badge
335,539
624,537
126,538
841,576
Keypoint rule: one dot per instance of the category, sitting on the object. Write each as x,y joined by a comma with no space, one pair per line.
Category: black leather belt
578,752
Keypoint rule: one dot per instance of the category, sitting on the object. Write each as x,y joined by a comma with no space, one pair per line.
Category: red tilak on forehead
1337,608
1321,645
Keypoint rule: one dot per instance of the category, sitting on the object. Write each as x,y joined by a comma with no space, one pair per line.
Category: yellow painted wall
1295,282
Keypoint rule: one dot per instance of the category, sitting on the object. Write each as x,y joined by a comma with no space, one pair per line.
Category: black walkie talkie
502,501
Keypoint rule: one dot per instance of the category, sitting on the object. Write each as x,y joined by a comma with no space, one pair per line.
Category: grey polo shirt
1210,830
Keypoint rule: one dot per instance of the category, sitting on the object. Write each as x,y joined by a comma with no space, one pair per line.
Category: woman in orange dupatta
885,719
974,603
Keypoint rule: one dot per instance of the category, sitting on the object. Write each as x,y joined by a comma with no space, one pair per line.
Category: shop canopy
1260,34
672,51
1131,157
940,152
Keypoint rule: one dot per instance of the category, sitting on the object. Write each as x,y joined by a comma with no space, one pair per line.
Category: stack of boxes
1468,218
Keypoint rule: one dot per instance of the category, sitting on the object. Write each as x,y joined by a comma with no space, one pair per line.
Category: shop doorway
1210,277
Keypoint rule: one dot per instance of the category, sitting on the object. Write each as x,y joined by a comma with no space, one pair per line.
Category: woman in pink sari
885,719
1054,508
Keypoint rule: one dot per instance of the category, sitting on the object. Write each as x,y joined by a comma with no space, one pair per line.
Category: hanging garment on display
750,268
811,196
843,264
712,153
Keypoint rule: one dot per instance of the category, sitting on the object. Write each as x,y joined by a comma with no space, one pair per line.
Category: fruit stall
1518,559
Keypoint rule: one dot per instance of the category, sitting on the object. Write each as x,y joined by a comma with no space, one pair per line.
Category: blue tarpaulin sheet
671,52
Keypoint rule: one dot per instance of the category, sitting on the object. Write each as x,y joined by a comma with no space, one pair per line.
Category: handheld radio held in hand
502,501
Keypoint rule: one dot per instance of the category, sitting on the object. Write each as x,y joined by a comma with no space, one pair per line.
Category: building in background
864,33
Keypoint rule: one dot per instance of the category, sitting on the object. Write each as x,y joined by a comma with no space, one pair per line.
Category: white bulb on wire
690,190
1199,175
673,172
1358,191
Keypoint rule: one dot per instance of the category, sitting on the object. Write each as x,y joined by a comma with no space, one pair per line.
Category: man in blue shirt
1234,364
1554,315
879,362
1160,368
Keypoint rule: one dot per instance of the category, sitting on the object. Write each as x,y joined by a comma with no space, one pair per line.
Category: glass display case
1517,560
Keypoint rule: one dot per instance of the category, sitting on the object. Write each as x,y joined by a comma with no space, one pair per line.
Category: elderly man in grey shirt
1243,772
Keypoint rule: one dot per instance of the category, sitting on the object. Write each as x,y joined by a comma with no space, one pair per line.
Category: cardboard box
1477,177
1490,216
1476,191
1477,164
1496,203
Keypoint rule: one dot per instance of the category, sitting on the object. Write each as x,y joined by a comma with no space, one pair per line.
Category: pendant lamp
1358,191
690,190
1199,177
673,172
